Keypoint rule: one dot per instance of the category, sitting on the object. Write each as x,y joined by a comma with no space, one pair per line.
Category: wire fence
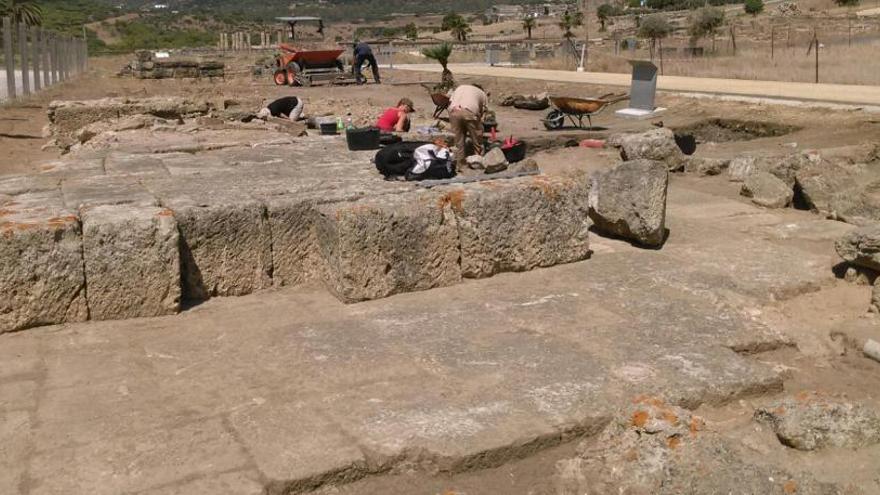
33,59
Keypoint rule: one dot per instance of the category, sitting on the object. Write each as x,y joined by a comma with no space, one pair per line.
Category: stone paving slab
290,389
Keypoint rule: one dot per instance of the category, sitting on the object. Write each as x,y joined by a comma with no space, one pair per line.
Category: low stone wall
68,117
101,237
145,66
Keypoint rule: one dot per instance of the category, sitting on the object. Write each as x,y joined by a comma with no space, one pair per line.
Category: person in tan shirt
466,107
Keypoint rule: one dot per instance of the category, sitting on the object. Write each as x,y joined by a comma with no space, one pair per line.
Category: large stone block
767,190
226,244
656,144
520,224
629,201
377,247
132,261
105,190
41,262
861,247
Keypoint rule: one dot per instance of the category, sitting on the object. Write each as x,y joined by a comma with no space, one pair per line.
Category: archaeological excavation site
566,291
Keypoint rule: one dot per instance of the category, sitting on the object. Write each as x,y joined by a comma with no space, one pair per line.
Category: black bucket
515,153
328,128
366,138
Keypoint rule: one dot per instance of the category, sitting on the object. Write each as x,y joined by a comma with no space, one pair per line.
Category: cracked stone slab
376,247
226,245
521,224
132,164
85,165
132,261
41,263
103,190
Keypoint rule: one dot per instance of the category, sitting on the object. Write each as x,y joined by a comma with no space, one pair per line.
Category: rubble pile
147,66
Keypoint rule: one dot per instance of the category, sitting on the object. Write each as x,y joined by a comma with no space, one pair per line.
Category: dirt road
831,93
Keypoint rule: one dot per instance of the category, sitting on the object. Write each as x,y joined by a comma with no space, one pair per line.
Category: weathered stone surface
656,144
72,167
129,164
494,161
811,421
834,184
67,117
705,166
527,165
41,263
741,167
629,201
875,297
11,186
373,248
226,245
132,261
767,190
861,247
105,190
655,448
521,224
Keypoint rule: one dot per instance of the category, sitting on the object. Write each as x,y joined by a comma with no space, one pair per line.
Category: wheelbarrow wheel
280,77
555,120
293,71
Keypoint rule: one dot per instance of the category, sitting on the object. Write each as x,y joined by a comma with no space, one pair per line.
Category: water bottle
339,126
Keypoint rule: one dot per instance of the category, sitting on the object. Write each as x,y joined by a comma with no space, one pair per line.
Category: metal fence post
53,50
23,57
9,57
44,48
35,57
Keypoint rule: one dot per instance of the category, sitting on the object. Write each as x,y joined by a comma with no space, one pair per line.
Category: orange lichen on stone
631,455
640,418
779,411
165,212
546,187
670,417
790,487
57,221
452,198
673,442
695,425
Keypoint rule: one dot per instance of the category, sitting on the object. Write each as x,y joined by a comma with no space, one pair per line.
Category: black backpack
440,168
397,158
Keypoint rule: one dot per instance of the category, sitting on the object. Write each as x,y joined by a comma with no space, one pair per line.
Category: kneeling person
289,107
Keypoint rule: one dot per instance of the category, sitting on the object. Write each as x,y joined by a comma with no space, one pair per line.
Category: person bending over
466,108
396,119
363,53
289,107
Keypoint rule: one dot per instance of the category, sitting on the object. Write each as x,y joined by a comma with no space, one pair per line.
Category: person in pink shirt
396,119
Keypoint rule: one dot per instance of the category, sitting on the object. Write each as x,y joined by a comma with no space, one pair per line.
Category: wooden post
733,37
816,37
23,53
660,43
55,66
772,40
9,56
35,58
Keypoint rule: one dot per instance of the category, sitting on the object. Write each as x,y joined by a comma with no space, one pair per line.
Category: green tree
705,22
441,54
605,11
411,31
654,27
22,11
457,25
569,21
528,25
754,7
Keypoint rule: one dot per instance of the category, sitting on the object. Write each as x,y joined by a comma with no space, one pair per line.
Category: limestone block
73,167
656,144
118,163
41,263
132,261
861,247
767,190
376,247
27,184
705,166
741,167
629,201
226,245
520,224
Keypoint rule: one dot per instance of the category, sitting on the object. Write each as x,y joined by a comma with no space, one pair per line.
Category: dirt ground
813,362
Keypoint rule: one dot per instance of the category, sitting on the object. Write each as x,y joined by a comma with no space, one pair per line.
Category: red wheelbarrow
306,67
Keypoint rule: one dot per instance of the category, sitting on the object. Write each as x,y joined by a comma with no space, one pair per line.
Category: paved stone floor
289,389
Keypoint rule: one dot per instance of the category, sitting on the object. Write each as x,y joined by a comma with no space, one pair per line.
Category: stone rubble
812,421
656,144
767,190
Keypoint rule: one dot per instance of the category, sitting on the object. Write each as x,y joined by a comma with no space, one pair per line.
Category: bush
754,7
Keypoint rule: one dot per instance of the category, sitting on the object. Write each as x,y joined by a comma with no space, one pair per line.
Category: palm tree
460,29
22,11
441,54
528,25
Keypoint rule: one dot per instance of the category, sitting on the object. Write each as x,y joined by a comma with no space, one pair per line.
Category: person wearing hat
396,119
